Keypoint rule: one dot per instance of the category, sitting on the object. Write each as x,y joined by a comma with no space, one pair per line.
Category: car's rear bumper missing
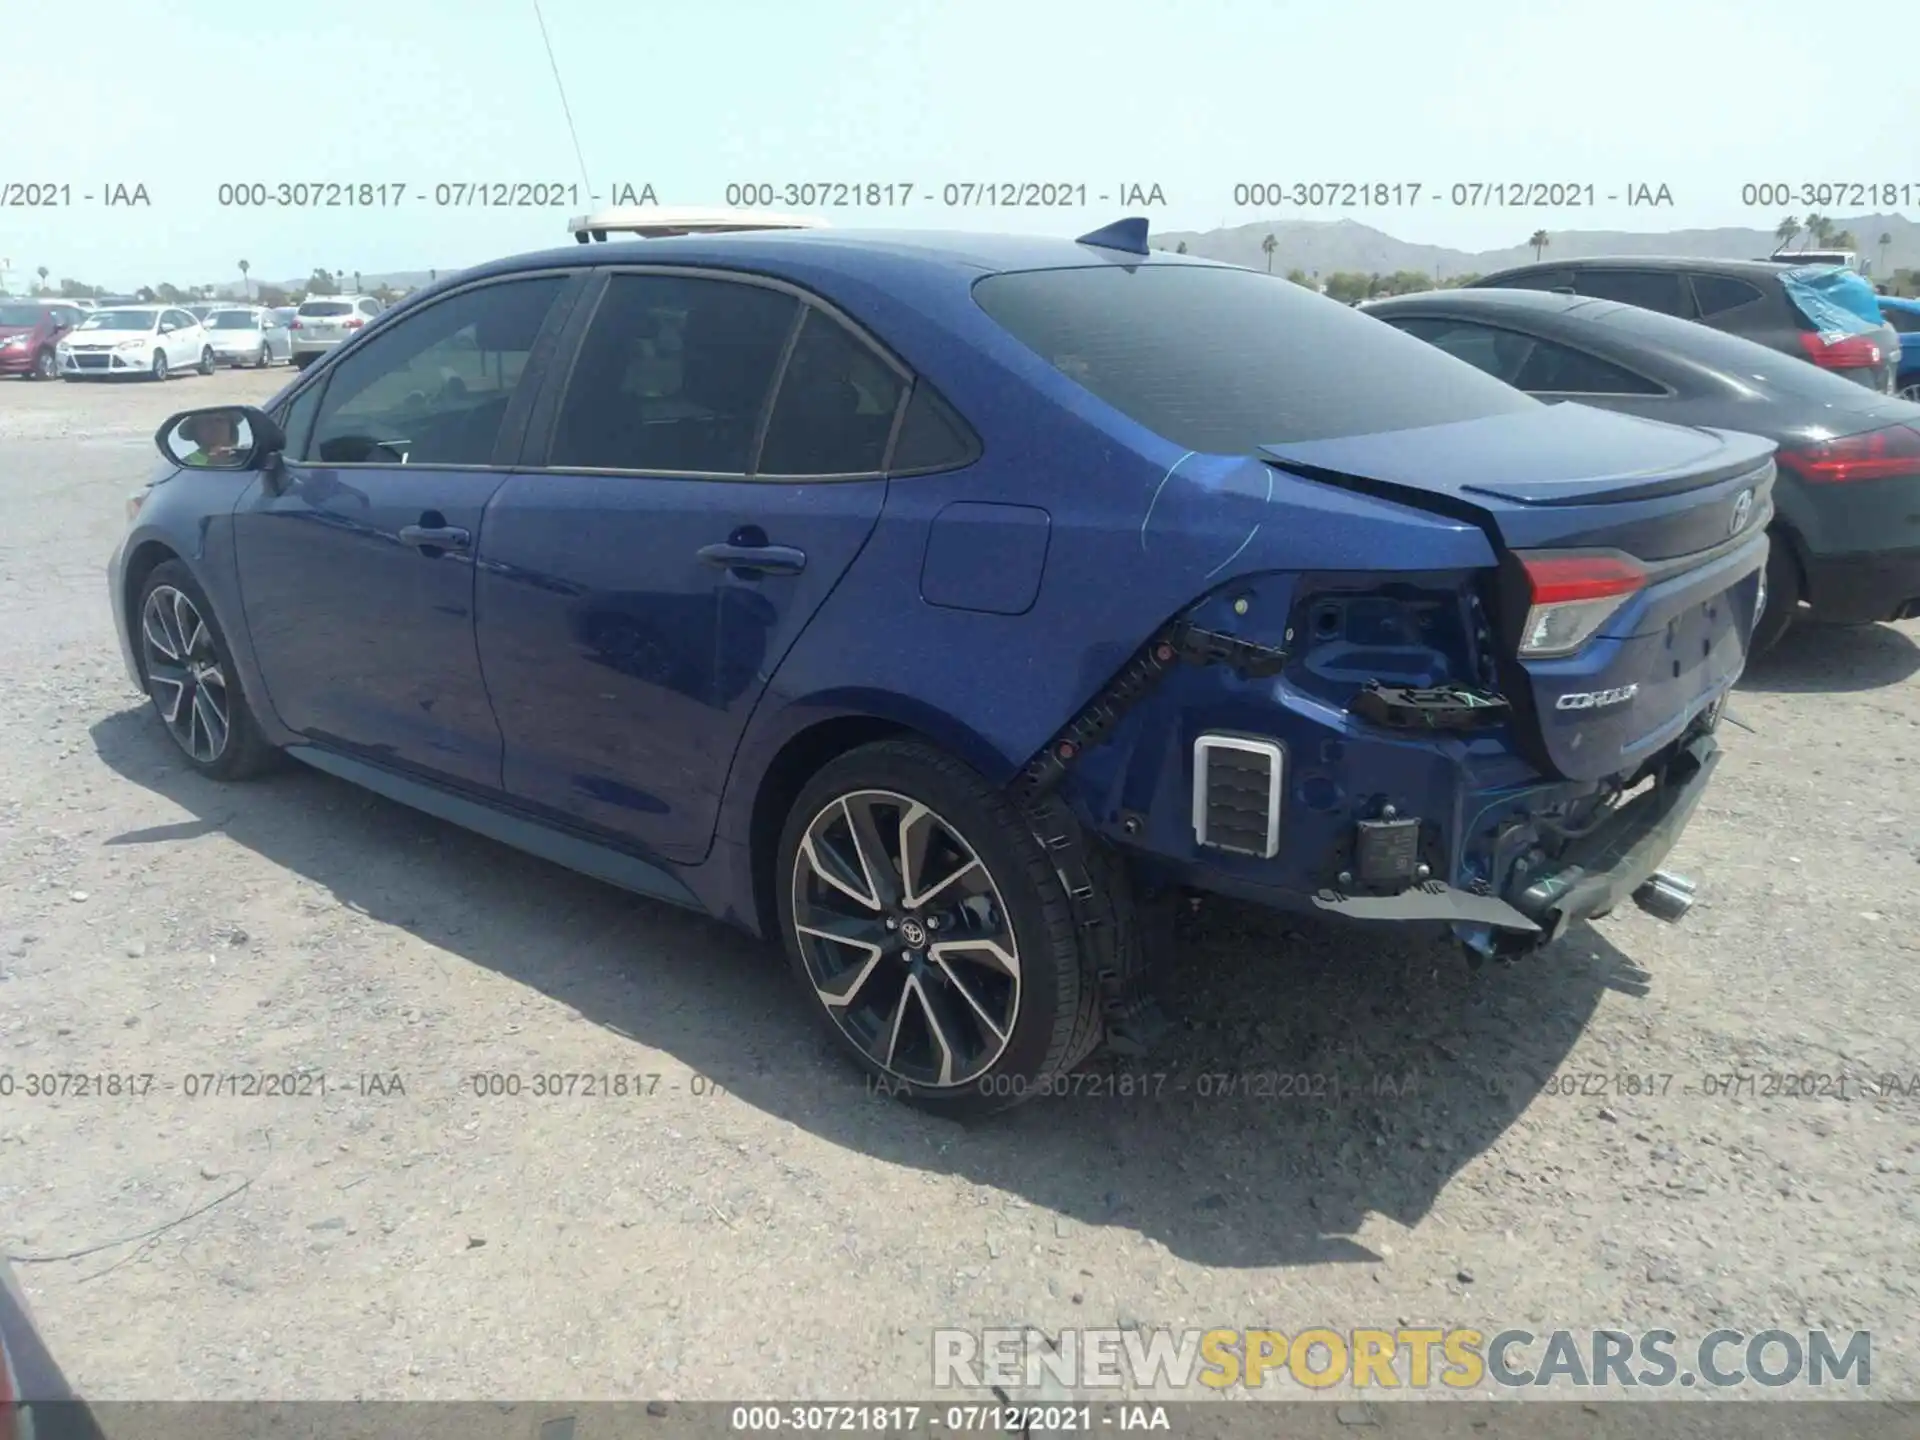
1598,871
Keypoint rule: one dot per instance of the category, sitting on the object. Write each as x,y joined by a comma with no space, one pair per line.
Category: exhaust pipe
1665,896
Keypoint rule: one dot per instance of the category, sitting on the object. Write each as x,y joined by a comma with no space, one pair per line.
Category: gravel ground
755,1224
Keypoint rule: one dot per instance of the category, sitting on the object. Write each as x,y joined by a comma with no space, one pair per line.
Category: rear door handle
763,559
435,537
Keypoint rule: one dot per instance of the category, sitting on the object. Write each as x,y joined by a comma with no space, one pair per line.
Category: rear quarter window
1223,361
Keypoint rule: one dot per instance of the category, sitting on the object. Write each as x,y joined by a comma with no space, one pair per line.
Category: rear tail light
1573,596
293,324
355,324
1877,455
1833,351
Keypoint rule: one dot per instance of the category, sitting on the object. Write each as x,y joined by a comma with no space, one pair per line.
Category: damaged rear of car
1448,654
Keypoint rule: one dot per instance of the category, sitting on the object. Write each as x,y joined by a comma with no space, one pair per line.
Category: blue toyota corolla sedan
947,606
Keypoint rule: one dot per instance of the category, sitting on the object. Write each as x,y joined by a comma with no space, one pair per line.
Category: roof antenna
1129,235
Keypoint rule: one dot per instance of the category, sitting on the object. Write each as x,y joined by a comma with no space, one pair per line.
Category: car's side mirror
221,437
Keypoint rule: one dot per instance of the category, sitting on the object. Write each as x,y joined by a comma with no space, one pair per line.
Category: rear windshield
232,320
1222,360
19,314
325,307
1772,370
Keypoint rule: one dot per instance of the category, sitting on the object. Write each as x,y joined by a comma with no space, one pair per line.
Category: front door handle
760,559
435,537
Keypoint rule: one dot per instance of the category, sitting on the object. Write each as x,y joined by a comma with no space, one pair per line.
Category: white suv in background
326,321
150,340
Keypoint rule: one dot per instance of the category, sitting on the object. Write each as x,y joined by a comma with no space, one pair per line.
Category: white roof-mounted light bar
655,221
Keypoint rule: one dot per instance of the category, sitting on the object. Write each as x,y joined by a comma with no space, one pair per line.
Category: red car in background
29,331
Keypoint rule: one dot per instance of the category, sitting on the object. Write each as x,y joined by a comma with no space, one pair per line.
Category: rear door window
673,376
1718,294
1528,280
1500,353
834,411
1649,289
1223,360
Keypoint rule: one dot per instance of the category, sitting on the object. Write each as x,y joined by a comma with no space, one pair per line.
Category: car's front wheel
188,670
159,370
206,361
264,358
932,932
45,367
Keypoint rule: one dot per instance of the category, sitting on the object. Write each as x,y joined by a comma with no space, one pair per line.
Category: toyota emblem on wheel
1742,512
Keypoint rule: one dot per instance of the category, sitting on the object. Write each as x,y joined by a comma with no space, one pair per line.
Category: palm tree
42,273
1886,242
1181,248
356,284
1816,231
1844,240
1267,247
1784,232
246,286
1538,240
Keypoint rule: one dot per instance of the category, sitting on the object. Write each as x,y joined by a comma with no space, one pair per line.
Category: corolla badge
1742,512
1596,699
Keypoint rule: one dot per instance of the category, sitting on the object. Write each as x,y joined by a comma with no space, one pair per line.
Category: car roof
1492,300
1698,263
956,254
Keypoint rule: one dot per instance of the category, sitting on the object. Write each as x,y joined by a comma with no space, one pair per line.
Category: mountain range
1329,246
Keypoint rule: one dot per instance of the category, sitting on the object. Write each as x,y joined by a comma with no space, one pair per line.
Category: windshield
19,314
232,320
119,320
1223,360
325,307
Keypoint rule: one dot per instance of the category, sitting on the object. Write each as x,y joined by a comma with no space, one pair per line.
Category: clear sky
1194,96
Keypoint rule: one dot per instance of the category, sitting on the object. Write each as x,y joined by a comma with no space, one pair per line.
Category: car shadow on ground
1830,659
1315,1075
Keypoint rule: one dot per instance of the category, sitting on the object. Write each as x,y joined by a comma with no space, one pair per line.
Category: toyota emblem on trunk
1742,512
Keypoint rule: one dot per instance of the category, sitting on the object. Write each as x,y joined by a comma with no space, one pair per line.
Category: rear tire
1784,593
301,362
975,997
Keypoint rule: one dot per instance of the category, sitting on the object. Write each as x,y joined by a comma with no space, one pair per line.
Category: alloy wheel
1910,392
905,938
159,364
45,366
184,674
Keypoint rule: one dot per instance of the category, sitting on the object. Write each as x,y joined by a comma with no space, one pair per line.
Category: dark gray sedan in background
1846,530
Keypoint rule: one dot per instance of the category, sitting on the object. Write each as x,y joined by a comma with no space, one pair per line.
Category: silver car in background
327,321
248,335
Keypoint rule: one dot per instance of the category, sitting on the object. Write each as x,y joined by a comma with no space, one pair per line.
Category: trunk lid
1689,505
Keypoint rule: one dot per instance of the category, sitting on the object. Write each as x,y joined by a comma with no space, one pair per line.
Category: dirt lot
756,1225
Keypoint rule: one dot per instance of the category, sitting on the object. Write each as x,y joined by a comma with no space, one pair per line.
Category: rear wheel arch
802,755
798,761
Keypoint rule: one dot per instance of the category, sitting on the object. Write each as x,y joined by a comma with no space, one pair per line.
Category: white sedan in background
150,340
248,335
